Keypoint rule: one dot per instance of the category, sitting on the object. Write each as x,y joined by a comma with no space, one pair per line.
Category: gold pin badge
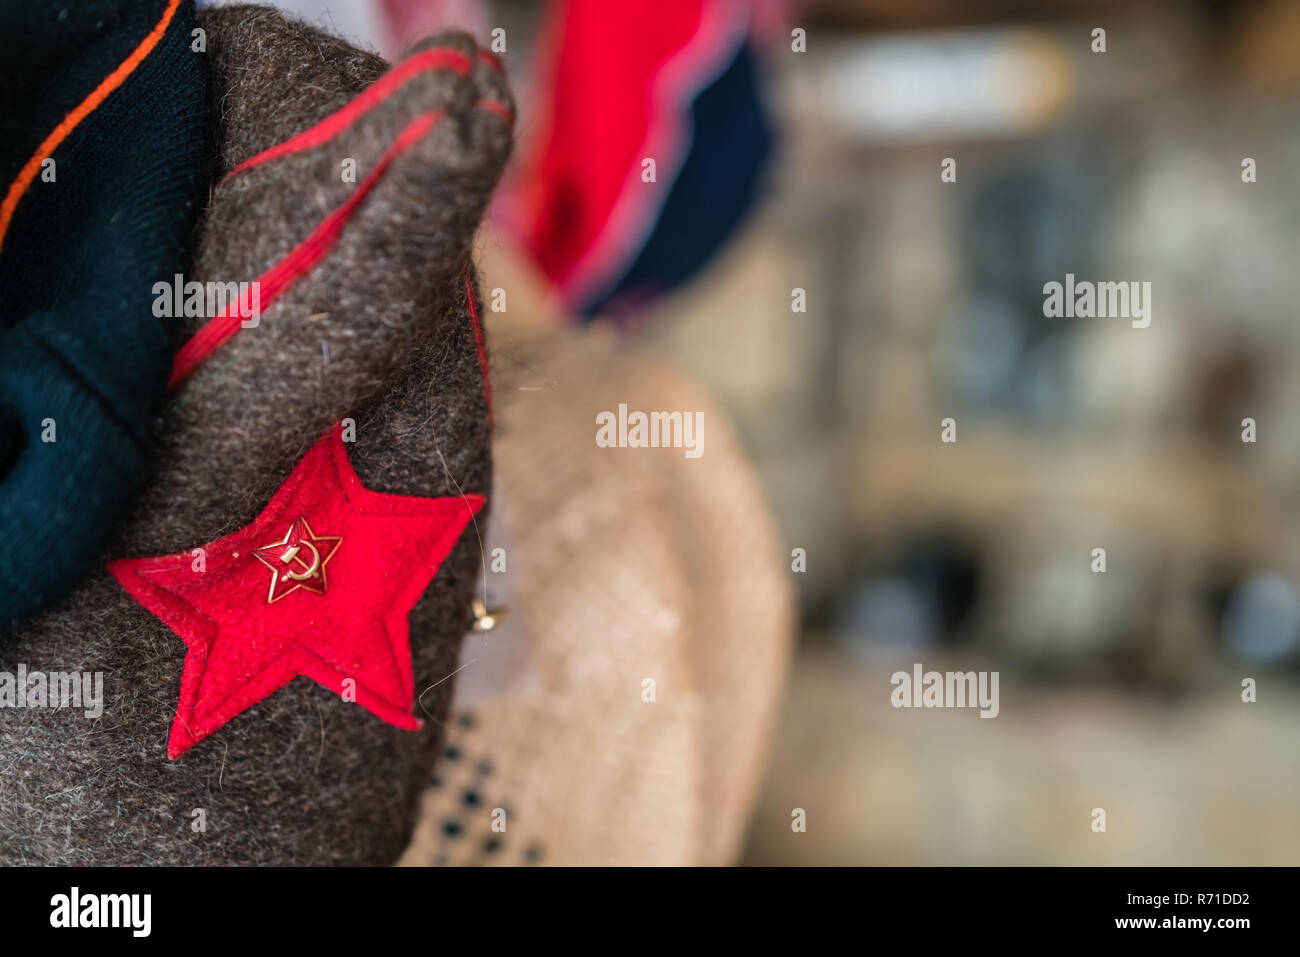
485,619
298,560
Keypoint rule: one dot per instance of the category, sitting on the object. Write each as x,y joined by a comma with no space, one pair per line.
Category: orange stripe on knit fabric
97,96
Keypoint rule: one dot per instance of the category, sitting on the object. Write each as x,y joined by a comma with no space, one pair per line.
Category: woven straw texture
626,564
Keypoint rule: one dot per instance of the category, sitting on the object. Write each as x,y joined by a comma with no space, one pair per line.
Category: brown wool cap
378,332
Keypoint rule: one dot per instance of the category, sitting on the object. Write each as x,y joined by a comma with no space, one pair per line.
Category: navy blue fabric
82,357
719,180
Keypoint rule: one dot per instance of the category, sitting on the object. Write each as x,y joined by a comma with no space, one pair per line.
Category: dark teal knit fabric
83,359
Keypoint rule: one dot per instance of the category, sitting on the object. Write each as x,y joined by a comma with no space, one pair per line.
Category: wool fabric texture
105,153
377,332
246,643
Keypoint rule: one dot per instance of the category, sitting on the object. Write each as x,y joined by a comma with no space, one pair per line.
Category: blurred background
924,300
1119,690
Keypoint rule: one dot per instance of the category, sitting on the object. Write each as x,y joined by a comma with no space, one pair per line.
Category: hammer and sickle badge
298,560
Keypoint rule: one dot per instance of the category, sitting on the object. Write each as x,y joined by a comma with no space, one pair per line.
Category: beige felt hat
619,711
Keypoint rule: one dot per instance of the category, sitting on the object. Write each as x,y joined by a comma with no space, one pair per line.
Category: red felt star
348,632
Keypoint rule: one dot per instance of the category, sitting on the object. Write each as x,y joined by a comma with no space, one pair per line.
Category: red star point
349,633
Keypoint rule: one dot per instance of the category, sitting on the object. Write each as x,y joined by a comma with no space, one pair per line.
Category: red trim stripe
213,334
500,109
219,329
482,346
436,59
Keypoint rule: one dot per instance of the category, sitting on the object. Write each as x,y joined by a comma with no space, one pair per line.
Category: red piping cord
436,59
303,257
481,345
217,330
